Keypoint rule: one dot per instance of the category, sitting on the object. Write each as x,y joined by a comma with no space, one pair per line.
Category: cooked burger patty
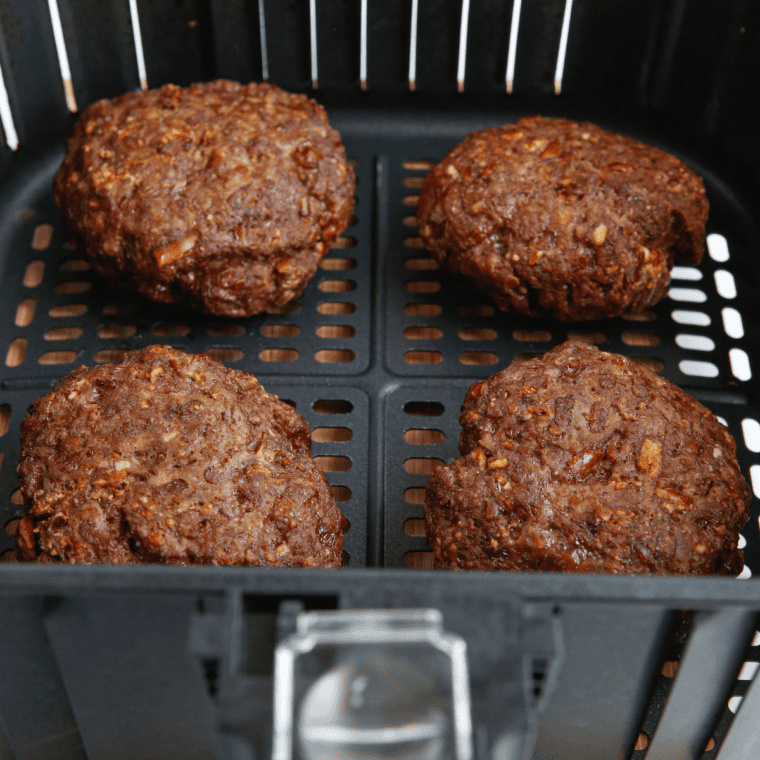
582,460
220,196
553,217
171,457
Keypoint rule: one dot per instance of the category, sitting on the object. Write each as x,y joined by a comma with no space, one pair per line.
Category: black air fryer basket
193,662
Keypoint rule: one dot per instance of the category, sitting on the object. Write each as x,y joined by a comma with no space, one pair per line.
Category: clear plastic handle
372,685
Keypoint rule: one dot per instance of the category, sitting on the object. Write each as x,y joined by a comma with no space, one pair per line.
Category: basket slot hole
337,265
64,333
171,331
334,464
422,310
75,265
732,323
424,408
344,241
717,247
686,273
640,339
695,342
423,357
68,310
414,181
293,307
642,742
422,286
332,434
655,365
225,354
422,465
423,333
414,242
419,164
478,358
335,331
42,237
8,556
532,336
687,295
336,307
5,418
725,284
745,574
421,265
739,361
334,356
280,331
418,437
17,498
11,527
278,355
695,318
669,668
477,333
25,312
117,309
734,703
698,369
341,493
419,560
33,274
747,673
642,316
337,286
58,357
410,221
72,287
332,406
16,352
476,311
111,332
109,355
226,331
414,495
594,338
414,527
525,356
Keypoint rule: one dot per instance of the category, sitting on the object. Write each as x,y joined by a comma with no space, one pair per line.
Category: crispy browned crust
584,461
553,217
219,196
172,457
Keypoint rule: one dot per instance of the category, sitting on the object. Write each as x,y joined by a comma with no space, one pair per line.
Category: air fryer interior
379,351
381,348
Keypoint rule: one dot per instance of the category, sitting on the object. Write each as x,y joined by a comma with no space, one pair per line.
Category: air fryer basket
377,354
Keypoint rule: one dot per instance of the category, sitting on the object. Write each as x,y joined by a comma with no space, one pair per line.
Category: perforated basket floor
381,348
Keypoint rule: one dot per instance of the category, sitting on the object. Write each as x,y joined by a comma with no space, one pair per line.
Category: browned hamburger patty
172,457
218,195
553,217
582,460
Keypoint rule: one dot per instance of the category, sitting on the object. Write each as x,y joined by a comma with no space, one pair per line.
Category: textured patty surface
554,217
584,461
171,457
219,195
